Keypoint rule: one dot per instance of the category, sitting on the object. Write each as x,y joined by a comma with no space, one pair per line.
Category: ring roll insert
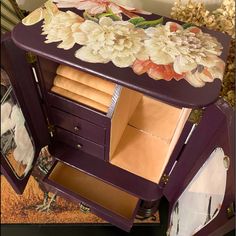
86,79
83,90
77,98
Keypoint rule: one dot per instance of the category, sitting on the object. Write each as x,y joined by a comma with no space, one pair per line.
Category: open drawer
93,194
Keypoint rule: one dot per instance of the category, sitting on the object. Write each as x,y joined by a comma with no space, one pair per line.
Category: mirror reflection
16,142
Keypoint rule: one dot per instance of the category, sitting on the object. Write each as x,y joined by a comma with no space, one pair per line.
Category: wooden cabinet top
146,76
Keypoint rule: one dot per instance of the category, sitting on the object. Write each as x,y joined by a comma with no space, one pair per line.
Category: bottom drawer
110,203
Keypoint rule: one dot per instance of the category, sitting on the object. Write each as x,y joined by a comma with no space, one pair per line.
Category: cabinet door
204,202
23,125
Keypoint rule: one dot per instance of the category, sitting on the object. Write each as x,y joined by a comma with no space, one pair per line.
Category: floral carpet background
22,208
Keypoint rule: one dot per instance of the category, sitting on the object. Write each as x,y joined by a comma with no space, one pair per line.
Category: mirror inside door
17,146
205,192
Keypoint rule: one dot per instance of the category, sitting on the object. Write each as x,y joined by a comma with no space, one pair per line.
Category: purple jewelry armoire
125,127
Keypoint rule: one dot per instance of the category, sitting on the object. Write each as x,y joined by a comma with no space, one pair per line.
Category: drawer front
93,195
80,143
78,126
78,109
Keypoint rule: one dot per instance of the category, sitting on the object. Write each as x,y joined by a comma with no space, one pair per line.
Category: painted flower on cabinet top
163,51
175,52
62,28
94,7
108,40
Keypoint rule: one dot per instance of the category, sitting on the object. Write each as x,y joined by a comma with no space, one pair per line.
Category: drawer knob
83,208
79,146
76,128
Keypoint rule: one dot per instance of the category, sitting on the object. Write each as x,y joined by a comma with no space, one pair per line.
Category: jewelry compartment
141,132
105,200
149,137
78,86
74,108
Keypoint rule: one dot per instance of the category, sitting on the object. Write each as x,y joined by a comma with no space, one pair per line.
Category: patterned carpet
25,208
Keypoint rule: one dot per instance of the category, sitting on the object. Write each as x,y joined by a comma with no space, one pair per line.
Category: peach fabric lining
95,190
82,90
156,118
77,98
128,101
86,79
141,153
149,138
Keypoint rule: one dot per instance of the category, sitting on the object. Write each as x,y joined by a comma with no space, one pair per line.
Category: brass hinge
30,57
226,162
51,129
83,208
231,210
164,179
195,116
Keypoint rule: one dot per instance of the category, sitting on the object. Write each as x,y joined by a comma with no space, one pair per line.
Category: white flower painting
108,40
163,51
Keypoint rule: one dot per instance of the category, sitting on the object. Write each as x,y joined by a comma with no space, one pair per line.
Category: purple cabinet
120,141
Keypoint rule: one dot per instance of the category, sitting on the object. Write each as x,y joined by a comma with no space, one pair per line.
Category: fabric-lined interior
156,118
83,88
144,131
95,190
126,104
149,138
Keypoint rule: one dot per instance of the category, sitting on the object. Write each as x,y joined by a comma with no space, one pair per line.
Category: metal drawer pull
79,146
83,208
76,128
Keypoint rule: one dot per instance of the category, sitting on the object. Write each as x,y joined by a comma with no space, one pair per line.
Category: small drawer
77,109
93,195
78,126
80,143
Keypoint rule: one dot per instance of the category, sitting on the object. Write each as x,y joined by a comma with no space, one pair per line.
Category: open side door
204,202
23,124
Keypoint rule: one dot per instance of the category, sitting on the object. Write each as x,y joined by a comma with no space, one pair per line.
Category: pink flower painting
94,7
